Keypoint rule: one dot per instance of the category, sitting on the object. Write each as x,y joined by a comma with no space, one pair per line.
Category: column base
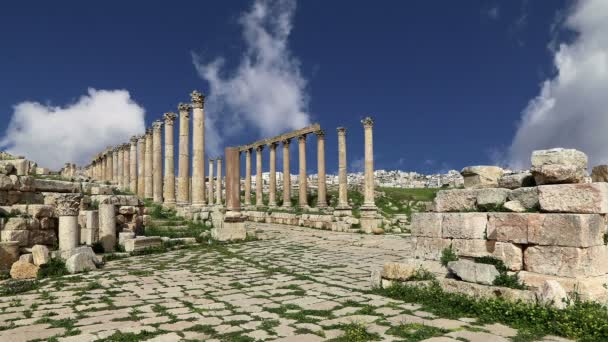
232,229
370,222
343,212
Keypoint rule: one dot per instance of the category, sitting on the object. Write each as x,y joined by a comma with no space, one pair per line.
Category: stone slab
591,198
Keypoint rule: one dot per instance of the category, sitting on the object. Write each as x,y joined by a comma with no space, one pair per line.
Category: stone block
510,254
514,206
65,255
40,210
511,227
21,236
6,183
40,254
80,262
566,261
29,258
430,248
553,294
516,180
574,198
127,210
455,200
142,242
51,185
43,237
229,231
9,253
124,236
464,225
491,197
481,176
472,272
599,173
569,230
528,197
558,165
397,271
24,270
16,223
427,224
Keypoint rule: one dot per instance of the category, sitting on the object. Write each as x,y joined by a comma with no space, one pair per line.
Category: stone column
169,190
321,179
183,179
133,165
120,155
141,166
259,196
370,221
272,188
115,165
110,165
126,167
342,177
148,179
233,227
302,182
218,184
286,175
210,183
92,226
157,161
247,177
107,226
198,149
67,209
102,167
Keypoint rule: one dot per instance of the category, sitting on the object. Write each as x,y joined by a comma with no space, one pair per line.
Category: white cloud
266,90
53,135
572,107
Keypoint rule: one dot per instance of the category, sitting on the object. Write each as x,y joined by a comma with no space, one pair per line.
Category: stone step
172,227
167,222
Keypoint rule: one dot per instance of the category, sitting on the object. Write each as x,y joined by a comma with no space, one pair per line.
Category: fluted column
321,178
198,149
342,180
157,161
210,184
120,153
148,180
368,200
141,166
248,177
272,188
133,165
286,175
218,184
183,180
302,182
126,167
169,186
259,197
115,164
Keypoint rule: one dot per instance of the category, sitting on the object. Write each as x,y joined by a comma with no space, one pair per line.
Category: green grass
447,255
54,268
583,321
15,286
415,332
356,332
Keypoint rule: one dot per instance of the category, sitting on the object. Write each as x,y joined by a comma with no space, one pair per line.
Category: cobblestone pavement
297,285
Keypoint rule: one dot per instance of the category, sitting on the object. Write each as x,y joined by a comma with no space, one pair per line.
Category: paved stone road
298,285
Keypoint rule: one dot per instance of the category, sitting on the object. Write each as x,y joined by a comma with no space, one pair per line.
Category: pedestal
232,229
369,219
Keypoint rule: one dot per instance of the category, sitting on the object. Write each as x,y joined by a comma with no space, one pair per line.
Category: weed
447,255
54,268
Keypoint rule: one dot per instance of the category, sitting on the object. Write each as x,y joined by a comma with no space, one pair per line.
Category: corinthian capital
184,107
133,140
341,131
320,133
157,125
367,122
198,99
169,117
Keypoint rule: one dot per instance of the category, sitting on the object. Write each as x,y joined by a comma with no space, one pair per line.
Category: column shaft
120,154
342,178
148,180
198,149
247,177
210,183
321,178
233,180
259,199
115,165
157,161
133,165
169,186
272,188
303,200
183,181
286,175
218,184
141,166
126,167
369,164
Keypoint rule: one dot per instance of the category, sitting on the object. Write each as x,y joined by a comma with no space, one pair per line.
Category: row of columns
138,166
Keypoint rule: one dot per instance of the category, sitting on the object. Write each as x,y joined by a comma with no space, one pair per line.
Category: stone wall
327,221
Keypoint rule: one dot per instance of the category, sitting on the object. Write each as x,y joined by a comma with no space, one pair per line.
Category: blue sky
446,82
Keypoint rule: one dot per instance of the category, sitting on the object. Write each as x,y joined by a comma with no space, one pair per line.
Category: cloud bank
52,136
266,91
572,107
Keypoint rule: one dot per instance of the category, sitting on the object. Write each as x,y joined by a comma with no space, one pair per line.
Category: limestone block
528,197
24,270
40,210
589,288
127,210
51,185
514,206
9,253
464,225
455,200
566,261
20,167
40,254
481,176
6,183
21,236
484,291
80,262
599,173
376,278
491,197
16,223
65,255
558,165
42,171
101,190
230,231
43,237
472,272
574,198
516,180
430,248
47,223
553,294
427,224
29,258
397,271
24,183
510,254
569,230
124,236
142,242
511,227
